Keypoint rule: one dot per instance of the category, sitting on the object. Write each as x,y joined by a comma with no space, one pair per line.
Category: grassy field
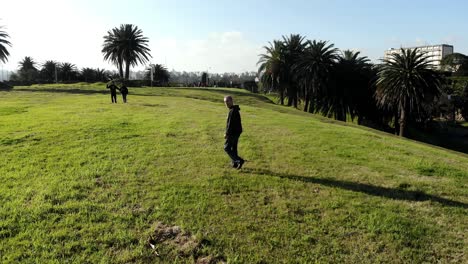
87,181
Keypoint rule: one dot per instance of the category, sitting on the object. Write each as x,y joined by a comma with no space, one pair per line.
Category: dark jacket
123,90
233,124
113,89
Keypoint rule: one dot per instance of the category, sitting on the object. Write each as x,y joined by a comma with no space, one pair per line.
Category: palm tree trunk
341,116
312,100
296,98
127,70
306,98
311,105
121,69
306,102
402,120
397,124
289,95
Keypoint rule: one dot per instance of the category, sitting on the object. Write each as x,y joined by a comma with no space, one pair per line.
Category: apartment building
435,52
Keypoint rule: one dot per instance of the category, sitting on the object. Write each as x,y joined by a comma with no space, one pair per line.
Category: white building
435,52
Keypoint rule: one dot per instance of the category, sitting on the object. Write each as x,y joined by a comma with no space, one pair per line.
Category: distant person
124,92
113,90
233,132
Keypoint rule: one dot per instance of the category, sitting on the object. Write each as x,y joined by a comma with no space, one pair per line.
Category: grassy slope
85,180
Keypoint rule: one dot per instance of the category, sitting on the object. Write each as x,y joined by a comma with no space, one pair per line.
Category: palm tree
407,82
88,74
293,48
160,74
27,63
101,75
3,42
348,86
27,70
111,49
272,67
48,70
126,45
313,72
68,71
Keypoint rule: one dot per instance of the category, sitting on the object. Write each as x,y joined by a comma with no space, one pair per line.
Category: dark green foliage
407,83
342,87
27,70
126,45
293,48
273,67
349,84
3,43
48,71
204,79
464,103
314,69
67,72
88,74
456,63
161,75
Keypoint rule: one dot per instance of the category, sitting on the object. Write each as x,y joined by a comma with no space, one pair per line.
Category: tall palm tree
27,69
48,70
126,45
293,48
406,81
68,71
313,70
272,68
111,49
27,63
160,74
348,87
101,75
88,74
3,42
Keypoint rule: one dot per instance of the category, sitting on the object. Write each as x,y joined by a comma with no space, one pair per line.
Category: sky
221,35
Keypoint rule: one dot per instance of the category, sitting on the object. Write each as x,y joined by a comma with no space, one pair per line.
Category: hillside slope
84,180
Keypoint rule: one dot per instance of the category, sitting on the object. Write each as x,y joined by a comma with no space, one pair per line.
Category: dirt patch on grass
170,242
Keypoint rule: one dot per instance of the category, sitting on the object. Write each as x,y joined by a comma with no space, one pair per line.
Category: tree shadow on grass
392,193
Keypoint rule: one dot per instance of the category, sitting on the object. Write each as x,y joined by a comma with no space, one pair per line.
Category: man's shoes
235,164
239,164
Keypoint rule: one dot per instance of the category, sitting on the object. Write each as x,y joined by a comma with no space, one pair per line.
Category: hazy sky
221,35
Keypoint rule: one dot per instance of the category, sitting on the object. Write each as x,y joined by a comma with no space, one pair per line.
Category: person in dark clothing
113,90
233,132
124,92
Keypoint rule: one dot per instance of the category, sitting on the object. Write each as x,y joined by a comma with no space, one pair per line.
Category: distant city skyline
224,36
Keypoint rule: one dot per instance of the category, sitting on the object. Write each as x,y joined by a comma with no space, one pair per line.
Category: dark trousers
230,146
114,98
124,97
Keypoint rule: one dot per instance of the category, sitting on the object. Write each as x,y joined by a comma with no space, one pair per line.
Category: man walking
113,90
233,132
124,92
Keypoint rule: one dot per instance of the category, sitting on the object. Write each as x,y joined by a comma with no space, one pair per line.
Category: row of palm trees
314,73
124,46
51,71
342,84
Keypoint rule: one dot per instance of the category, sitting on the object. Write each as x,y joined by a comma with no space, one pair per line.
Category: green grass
83,180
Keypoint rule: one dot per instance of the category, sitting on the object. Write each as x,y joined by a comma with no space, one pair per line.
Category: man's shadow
392,193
